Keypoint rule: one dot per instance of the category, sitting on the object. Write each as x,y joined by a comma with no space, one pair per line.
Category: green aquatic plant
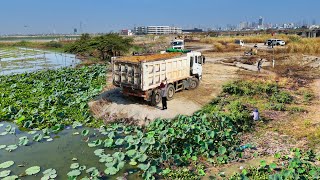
6,164
33,170
51,98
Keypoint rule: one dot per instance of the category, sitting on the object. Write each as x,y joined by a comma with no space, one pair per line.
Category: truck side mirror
203,59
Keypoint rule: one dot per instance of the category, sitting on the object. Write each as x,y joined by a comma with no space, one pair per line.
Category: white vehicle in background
177,44
275,42
239,42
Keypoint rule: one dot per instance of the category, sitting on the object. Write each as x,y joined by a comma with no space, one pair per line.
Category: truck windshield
177,43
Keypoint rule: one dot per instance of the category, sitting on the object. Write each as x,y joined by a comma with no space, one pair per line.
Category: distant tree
80,46
110,45
107,45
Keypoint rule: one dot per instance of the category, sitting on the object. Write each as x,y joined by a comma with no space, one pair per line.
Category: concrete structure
157,30
140,30
126,32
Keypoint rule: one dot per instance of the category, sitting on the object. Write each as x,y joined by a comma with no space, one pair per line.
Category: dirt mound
151,57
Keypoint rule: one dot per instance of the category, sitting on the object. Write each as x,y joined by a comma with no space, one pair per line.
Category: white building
157,30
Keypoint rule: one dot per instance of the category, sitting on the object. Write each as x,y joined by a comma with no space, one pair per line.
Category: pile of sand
151,57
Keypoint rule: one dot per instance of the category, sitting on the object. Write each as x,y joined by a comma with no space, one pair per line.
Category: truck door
194,65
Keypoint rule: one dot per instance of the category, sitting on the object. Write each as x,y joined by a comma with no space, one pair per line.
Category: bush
54,44
282,97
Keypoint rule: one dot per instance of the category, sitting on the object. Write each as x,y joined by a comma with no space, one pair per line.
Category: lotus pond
18,60
45,133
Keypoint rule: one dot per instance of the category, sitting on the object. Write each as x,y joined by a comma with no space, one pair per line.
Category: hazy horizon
36,16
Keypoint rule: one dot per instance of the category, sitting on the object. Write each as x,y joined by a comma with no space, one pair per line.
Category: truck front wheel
155,97
170,92
194,82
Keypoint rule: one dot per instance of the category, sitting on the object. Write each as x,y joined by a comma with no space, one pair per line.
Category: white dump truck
141,75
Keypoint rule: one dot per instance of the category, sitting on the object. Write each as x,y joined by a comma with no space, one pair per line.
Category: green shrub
282,97
298,166
54,44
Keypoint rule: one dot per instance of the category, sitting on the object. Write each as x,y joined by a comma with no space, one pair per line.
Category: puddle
57,154
20,60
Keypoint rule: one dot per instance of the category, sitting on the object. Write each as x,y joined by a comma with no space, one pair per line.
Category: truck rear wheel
155,97
194,82
170,92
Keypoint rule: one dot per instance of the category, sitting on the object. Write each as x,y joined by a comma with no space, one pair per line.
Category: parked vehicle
239,42
141,75
177,44
274,42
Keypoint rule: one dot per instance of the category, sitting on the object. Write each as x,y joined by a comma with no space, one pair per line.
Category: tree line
103,47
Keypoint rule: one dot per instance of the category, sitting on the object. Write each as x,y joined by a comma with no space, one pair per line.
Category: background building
157,30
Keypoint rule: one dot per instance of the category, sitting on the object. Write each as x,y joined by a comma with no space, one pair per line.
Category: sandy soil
111,104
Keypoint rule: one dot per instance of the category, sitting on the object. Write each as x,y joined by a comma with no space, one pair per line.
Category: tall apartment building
157,30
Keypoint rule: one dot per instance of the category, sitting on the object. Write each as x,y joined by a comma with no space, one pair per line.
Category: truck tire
194,83
170,92
155,97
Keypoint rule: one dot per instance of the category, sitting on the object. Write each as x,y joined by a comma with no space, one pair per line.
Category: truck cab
196,62
177,44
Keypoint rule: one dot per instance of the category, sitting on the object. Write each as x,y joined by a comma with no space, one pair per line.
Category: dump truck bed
146,72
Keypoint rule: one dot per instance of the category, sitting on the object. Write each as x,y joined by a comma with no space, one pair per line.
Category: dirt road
113,105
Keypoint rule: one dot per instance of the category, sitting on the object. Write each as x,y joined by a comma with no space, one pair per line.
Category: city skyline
35,16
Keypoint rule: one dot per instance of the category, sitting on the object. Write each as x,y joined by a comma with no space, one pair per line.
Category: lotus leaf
74,173
8,128
144,167
131,153
3,146
11,147
49,140
111,135
37,137
119,155
142,158
108,142
6,164
4,173
89,170
33,170
119,142
98,152
74,165
23,141
222,150
110,164
76,124
111,171
46,137
32,132
133,163
85,132
12,131
1,125
49,174
13,177
95,143
3,133
120,165
144,147
27,124
81,168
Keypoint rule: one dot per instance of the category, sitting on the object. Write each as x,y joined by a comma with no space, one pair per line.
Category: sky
93,16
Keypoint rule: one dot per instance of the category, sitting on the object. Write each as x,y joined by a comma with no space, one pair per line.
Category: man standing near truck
163,88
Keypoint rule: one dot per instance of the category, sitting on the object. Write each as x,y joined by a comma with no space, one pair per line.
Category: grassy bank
294,44
52,45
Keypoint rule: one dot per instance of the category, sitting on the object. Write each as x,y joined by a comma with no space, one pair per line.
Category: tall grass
294,43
